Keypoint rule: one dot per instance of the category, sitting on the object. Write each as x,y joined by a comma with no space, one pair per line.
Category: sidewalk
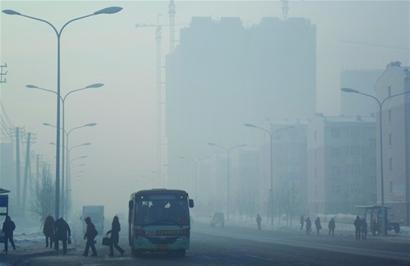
342,229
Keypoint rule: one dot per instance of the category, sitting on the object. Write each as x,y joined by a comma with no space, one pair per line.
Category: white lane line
259,258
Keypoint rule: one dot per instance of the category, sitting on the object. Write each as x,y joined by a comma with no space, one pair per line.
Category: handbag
106,241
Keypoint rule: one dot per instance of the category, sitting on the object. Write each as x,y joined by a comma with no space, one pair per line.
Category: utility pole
38,166
26,170
18,166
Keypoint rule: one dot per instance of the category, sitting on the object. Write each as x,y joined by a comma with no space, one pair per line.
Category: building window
390,163
335,132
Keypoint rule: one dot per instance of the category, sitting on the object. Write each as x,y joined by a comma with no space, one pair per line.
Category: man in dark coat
357,226
259,221
62,233
90,235
331,226
48,231
8,228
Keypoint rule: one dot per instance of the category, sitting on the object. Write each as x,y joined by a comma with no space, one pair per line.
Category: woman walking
115,236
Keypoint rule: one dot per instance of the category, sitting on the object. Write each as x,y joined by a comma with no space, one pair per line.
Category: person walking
357,226
259,221
8,228
332,226
90,235
48,231
302,222
62,233
318,225
115,236
363,229
308,225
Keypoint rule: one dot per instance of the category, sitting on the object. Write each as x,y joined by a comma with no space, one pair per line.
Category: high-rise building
363,80
341,164
396,141
222,75
289,145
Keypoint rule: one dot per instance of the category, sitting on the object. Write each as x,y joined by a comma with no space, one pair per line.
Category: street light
271,133
65,172
63,101
108,10
228,151
380,103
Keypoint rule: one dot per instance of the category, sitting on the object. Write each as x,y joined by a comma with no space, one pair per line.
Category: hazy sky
109,49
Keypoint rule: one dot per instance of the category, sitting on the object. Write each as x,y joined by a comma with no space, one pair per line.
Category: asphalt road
241,246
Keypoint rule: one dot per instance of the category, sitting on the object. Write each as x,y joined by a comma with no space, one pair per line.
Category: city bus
159,220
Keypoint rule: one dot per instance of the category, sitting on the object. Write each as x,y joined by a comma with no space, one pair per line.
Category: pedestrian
48,231
62,233
318,225
8,228
363,229
259,221
115,236
302,222
357,224
90,235
332,226
308,225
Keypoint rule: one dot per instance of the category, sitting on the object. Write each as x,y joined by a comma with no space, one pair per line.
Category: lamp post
108,10
271,133
380,103
65,158
228,151
63,103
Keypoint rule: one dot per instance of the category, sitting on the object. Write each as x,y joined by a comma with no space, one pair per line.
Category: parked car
218,219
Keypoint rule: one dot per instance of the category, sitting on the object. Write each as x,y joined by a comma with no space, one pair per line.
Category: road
244,246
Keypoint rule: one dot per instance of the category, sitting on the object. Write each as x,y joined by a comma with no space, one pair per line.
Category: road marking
259,258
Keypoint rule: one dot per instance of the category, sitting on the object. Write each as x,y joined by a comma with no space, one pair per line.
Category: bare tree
43,202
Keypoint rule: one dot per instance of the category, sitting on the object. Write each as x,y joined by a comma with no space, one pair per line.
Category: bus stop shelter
4,202
4,206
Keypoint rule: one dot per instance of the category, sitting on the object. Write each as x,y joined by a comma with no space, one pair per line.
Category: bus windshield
162,210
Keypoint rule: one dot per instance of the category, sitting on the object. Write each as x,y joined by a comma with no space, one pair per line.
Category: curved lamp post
228,151
65,180
271,133
380,104
108,10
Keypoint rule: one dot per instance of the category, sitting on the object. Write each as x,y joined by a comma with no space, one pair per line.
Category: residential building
396,141
341,164
222,75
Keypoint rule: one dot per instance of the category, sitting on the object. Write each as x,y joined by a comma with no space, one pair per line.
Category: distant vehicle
377,215
218,219
159,221
96,213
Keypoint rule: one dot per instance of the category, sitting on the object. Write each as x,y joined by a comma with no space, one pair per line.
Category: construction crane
159,89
